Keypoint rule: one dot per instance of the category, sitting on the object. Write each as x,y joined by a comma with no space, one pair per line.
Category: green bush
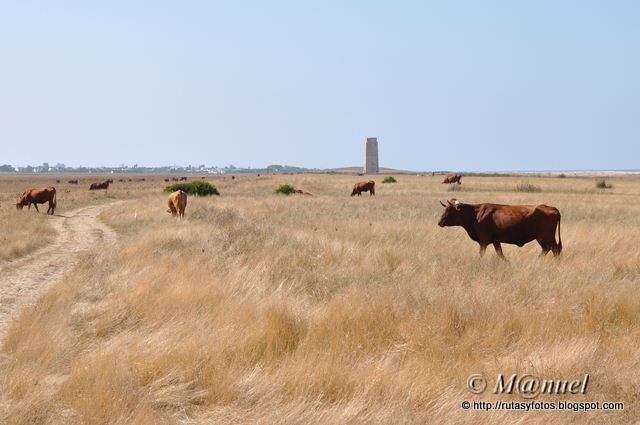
285,189
389,179
200,188
602,184
527,187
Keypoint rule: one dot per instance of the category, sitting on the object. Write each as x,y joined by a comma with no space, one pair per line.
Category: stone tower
371,155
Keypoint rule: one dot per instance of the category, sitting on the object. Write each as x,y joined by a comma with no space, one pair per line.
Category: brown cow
452,178
512,224
183,179
73,181
302,192
98,186
38,196
177,203
360,187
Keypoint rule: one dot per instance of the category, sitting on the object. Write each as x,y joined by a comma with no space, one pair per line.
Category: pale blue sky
460,85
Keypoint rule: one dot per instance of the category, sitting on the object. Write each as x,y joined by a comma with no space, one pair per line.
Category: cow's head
22,202
451,215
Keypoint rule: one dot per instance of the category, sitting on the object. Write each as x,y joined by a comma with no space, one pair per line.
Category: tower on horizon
371,155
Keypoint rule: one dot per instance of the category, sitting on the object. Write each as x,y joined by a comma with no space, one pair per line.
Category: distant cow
175,179
452,178
73,181
38,196
302,192
57,181
99,186
512,224
177,203
166,180
183,179
360,187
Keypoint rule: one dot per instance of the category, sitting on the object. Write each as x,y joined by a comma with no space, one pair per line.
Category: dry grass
330,309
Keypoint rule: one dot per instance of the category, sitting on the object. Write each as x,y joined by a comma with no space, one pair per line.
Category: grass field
264,308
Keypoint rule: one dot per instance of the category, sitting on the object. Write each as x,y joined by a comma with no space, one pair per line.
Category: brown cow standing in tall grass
103,185
452,178
360,187
512,224
38,196
177,203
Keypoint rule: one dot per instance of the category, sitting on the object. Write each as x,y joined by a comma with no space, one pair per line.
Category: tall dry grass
330,309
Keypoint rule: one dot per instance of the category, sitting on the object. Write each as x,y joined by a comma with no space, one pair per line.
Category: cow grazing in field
38,196
99,186
360,187
166,180
512,224
175,179
302,192
57,181
452,178
177,203
73,181
183,179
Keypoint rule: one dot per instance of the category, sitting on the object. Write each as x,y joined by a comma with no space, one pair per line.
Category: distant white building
371,155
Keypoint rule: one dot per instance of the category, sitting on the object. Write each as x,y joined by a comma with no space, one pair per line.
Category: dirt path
23,280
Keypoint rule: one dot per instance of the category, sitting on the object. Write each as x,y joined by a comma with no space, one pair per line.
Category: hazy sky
460,85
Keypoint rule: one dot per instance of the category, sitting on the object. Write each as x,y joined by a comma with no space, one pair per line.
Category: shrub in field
285,189
602,184
389,179
528,187
199,188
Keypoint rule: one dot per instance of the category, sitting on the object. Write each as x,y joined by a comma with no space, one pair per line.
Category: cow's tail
559,238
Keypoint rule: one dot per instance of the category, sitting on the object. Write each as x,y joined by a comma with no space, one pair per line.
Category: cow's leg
498,249
36,206
545,247
483,248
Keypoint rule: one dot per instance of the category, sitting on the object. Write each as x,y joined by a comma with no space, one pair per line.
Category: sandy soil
23,280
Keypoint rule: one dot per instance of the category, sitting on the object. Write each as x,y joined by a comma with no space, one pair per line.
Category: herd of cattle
487,224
